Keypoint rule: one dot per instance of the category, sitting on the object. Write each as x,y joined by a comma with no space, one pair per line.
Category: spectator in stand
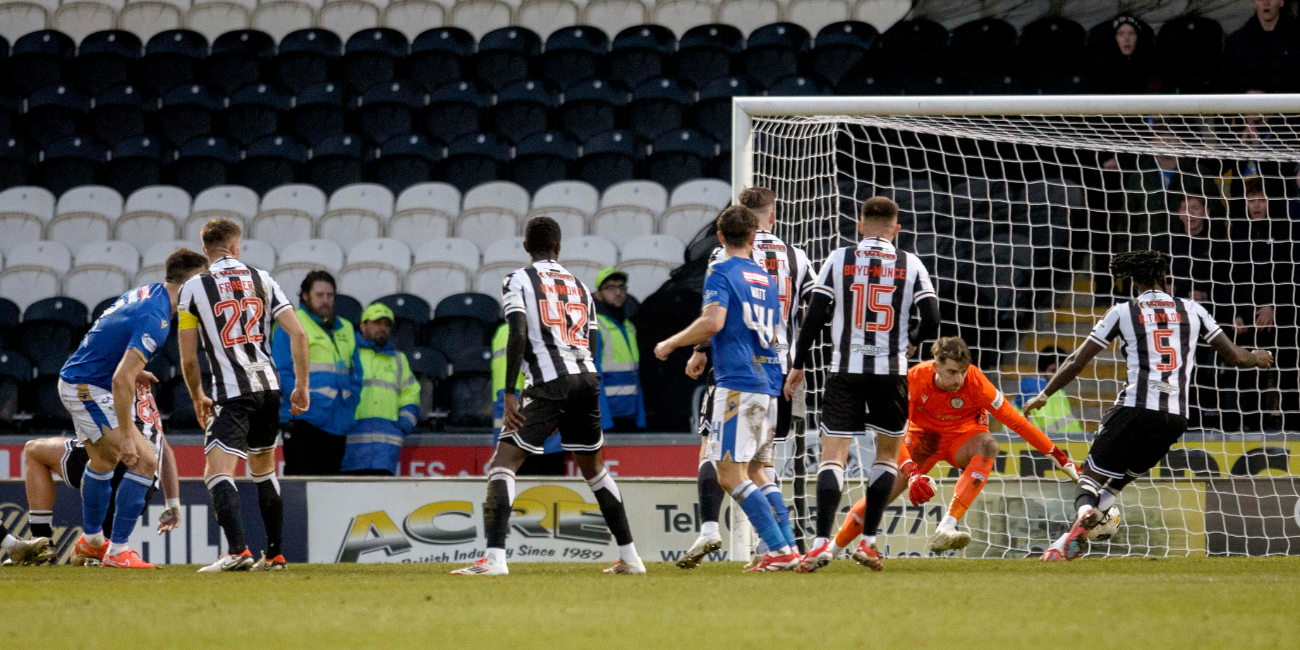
1056,417
390,399
617,357
550,463
1264,54
1199,257
1145,224
315,441
1127,64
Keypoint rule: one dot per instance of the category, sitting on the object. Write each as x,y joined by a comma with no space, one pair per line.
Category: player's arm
710,322
927,325
1238,356
188,341
300,399
171,487
125,377
1066,373
815,318
997,404
516,339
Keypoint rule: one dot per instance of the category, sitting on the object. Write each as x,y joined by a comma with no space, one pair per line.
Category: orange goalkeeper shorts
929,447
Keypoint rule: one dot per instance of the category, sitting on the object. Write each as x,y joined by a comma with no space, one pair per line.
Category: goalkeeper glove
920,488
1064,463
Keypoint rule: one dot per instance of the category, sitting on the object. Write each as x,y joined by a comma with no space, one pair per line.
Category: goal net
1016,205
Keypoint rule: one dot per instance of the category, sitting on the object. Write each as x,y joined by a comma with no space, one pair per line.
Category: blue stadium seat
469,305
430,366
774,52
914,49
468,390
660,105
1188,51
1051,48
610,157
592,106
106,59
136,162
388,110
188,112
799,86
54,112
50,327
1064,83
10,315
523,108
713,111
412,314
67,163
15,159
318,112
870,76
47,407
679,156
984,53
239,58
1006,83
456,110
270,162
119,113
39,59
9,108
306,57
505,56
475,159
372,56
439,56
172,58
572,54
406,160
543,158
337,161
839,47
345,306
640,52
255,112
15,373
464,321
205,161
706,52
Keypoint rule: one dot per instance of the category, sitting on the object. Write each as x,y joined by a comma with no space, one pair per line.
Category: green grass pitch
958,604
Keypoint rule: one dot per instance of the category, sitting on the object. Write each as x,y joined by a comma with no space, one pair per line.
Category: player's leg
225,443
886,402
1103,472
128,503
95,422
737,441
852,526
762,472
975,456
41,459
709,491
771,486
262,467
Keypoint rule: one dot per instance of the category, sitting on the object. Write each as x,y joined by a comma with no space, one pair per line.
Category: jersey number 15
877,298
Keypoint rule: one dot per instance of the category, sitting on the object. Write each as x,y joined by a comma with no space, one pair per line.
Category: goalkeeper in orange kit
948,419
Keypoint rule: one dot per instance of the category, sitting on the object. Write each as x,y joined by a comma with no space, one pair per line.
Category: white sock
820,540
1107,500
603,481
1083,509
96,540
627,553
496,555
834,548
709,528
949,523
115,548
8,543
869,539
784,550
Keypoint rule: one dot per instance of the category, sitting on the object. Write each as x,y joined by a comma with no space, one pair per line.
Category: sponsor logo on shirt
869,350
757,278
257,366
149,344
1161,387
710,294
164,322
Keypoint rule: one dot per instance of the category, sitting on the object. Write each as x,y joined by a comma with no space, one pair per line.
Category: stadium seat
774,52
456,110
372,56
205,162
21,17
439,56
356,213
659,105
145,18
318,112
10,314
481,17
504,56
212,18
411,316
376,267
414,17
288,215
424,212
306,56
405,161
982,50
152,214
172,58
914,49
270,162
39,59
119,113
301,258
475,159
693,205
106,59
648,261
254,112
54,113
804,86
34,271
839,47
543,158
233,202
350,17
443,267
681,16
713,111
749,15
1188,53
464,321
570,203
469,390
628,210
104,269
573,52
9,108
47,407
153,266
136,162
813,15
523,109
15,161
640,52
585,255
337,161
591,107
188,112
345,306
610,157
501,258
388,110
706,52
239,58
1049,47
679,156
283,17
492,211
430,367
15,373
81,18
24,211
83,215
70,162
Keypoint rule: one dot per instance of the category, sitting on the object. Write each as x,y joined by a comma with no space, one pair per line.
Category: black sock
829,492
877,499
711,493
615,516
42,530
496,514
225,501
272,507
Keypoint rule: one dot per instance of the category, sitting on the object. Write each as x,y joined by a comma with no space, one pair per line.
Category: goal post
1015,204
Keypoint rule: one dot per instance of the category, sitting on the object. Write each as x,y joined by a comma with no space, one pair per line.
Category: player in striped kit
1158,340
552,319
789,267
868,292
228,310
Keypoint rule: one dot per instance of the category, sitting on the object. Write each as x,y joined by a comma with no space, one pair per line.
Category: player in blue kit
98,388
741,305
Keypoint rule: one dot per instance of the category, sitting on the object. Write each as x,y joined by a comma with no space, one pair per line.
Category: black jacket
1254,59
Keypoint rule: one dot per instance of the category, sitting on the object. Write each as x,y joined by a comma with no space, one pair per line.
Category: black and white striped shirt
234,308
1158,340
875,287
790,267
561,320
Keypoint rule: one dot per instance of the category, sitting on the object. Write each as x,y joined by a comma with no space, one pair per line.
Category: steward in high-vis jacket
618,360
390,399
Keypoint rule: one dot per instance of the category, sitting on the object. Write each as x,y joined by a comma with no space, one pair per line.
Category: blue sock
782,513
96,493
130,502
760,515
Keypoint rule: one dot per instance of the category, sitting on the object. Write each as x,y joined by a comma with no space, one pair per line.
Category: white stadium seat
213,18
693,205
628,210
882,14
503,257
257,254
356,213
144,18
586,256
21,17
85,214
153,266
347,17
681,15
376,268
492,211
613,16
570,203
34,271
813,15
104,269
152,214
424,212
81,18
749,15
648,261
297,260
280,17
413,17
546,16
288,215
479,17
443,267
233,202
24,212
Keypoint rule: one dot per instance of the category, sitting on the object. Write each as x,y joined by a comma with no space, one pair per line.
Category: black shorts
73,465
245,424
571,404
784,409
854,404
1132,440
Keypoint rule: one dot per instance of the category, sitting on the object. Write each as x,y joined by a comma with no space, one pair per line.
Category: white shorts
91,408
744,427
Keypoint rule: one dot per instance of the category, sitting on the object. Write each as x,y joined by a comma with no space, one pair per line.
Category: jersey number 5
553,315
877,298
1162,347
237,308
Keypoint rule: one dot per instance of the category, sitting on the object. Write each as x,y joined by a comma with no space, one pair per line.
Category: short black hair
1048,356
541,236
880,209
312,278
182,264
1143,267
737,224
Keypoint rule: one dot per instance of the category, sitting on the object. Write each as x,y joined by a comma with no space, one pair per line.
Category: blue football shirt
139,320
744,358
